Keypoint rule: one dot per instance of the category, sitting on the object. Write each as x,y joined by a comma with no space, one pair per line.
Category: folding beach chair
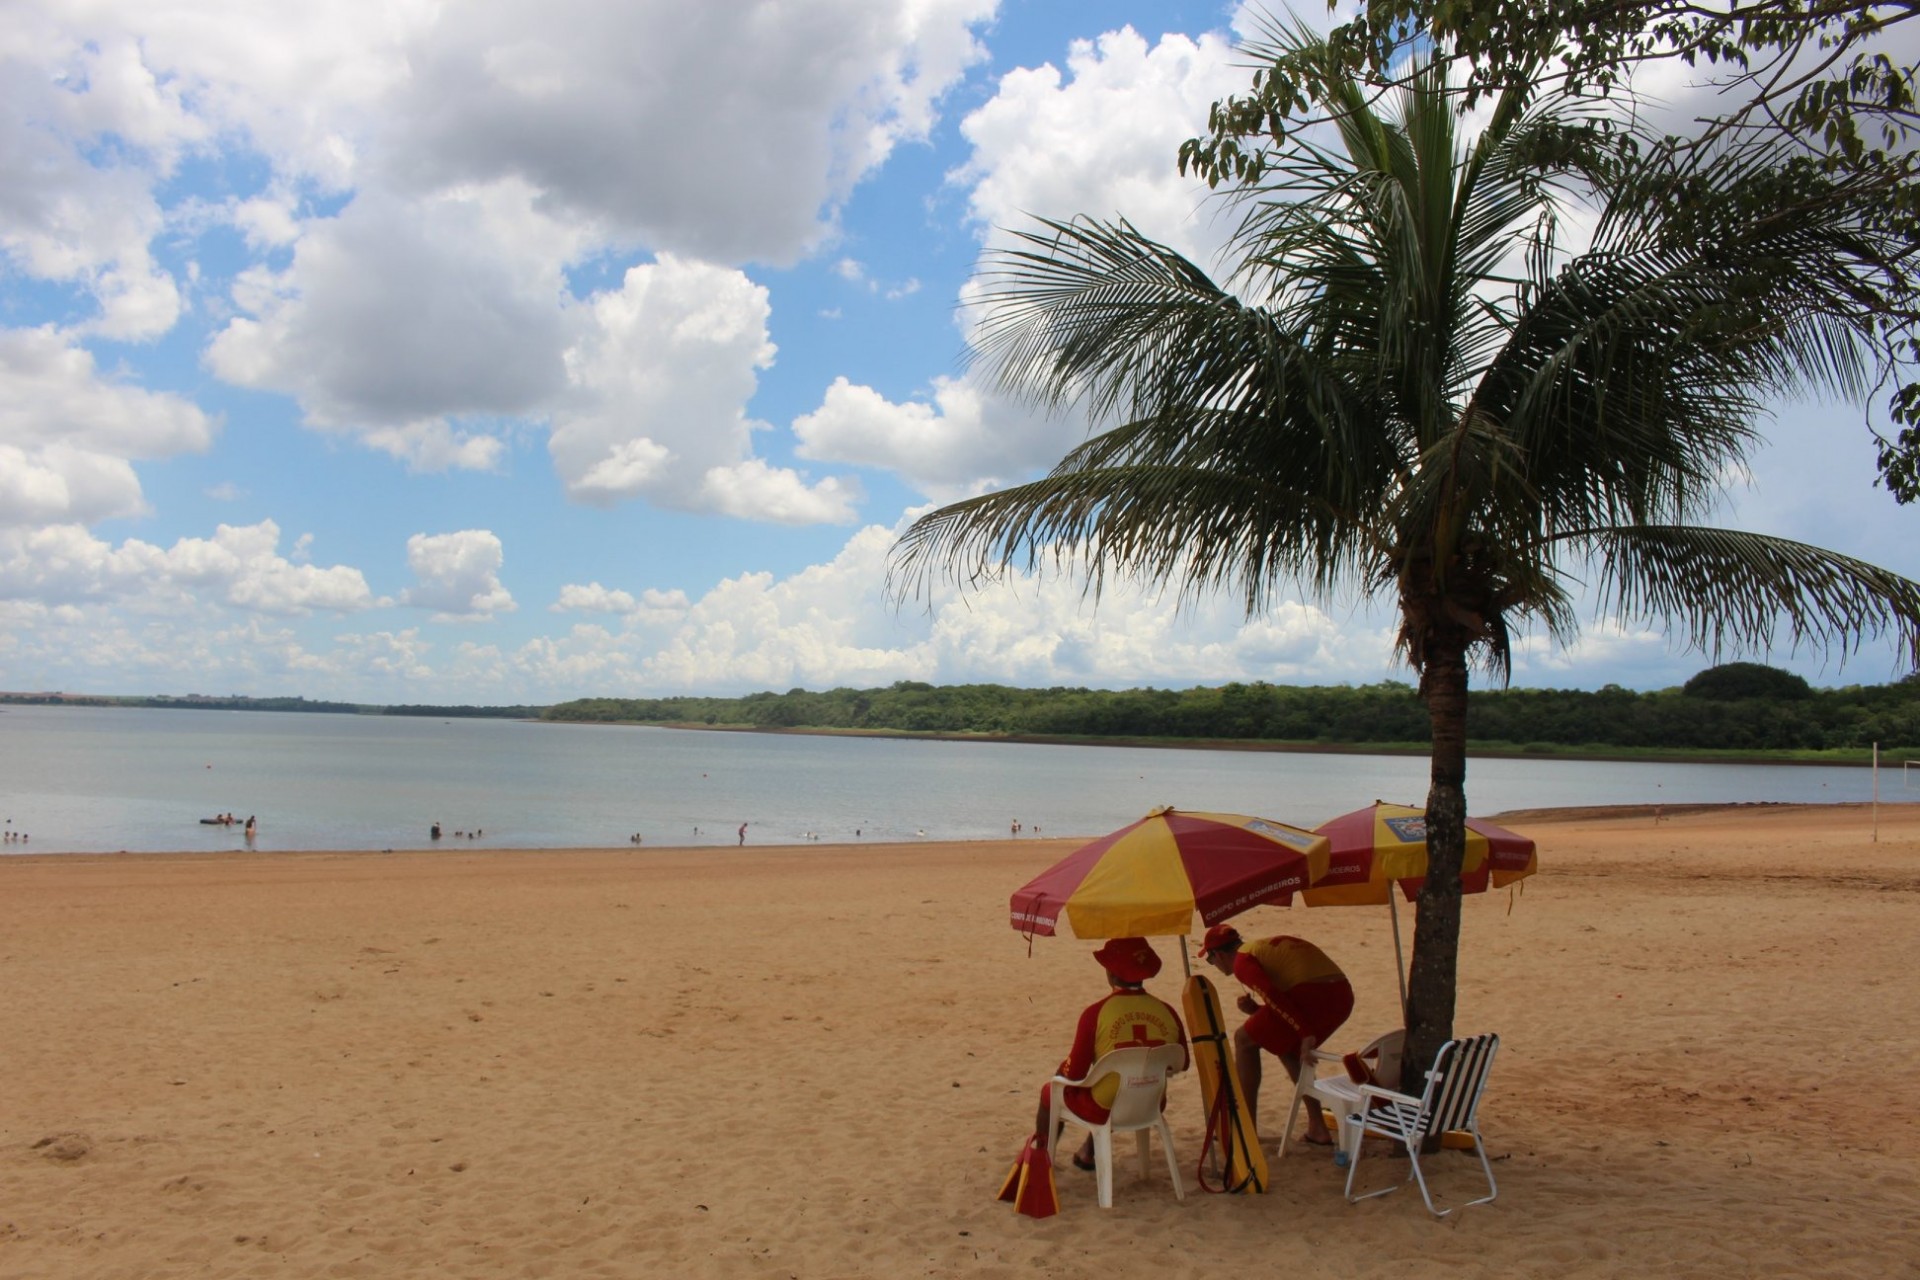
1451,1102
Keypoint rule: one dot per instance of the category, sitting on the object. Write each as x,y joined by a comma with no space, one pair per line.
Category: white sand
819,1061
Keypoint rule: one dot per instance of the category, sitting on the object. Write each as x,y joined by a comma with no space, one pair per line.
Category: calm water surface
103,779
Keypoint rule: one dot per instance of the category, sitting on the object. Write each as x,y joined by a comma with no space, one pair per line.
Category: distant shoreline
1621,755
1520,819
1518,742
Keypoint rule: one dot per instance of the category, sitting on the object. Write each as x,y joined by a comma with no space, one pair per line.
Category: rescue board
1229,1125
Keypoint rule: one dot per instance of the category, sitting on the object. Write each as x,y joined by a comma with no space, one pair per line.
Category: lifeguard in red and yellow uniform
1303,999
1126,1017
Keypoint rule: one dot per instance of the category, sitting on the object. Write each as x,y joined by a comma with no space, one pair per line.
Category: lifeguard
1125,1017
1303,999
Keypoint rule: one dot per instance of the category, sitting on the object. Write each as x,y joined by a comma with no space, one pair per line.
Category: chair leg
1103,1165
1286,1130
1173,1163
1413,1158
1353,1163
1480,1149
1146,1167
1350,1133
1486,1167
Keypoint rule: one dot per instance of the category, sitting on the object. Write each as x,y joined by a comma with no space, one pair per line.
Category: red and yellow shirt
1122,1020
1272,967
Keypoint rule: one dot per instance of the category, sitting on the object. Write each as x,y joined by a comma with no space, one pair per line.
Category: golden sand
819,1062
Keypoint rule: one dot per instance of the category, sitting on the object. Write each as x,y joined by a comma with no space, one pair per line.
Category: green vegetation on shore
1739,711
201,702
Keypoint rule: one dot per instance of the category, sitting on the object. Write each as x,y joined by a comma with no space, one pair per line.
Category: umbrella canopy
1150,877
1383,845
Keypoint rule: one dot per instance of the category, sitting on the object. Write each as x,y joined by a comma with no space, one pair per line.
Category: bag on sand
1029,1184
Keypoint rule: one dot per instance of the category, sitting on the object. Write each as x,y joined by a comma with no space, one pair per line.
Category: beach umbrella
1150,877
1384,846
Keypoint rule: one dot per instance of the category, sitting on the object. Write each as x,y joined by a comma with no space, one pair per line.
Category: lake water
104,779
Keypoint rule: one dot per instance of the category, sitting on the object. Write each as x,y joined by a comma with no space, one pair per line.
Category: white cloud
831,624
753,490
459,575
68,435
267,222
1102,140
650,605
660,380
85,131
955,444
238,567
393,317
854,272
1099,140
777,109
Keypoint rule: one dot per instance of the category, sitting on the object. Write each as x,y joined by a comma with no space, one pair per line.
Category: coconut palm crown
1416,390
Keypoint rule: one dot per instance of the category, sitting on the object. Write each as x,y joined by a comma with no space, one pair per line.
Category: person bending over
1124,1018
1303,998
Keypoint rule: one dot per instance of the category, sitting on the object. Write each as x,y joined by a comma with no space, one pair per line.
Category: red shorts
1314,1009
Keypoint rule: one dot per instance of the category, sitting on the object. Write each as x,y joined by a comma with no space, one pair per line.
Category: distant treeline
472,713
1736,707
202,703
247,704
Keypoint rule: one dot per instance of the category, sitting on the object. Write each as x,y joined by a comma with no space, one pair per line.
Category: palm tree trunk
1436,937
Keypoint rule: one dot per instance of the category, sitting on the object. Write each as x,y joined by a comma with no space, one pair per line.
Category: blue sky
398,350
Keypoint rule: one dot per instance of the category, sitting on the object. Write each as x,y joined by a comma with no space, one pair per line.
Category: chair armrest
1369,1092
1078,1084
1326,1055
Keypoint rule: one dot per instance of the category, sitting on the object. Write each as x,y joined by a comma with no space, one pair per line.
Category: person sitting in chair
1127,1016
1303,999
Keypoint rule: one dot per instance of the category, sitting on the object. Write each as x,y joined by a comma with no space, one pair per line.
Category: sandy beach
818,1061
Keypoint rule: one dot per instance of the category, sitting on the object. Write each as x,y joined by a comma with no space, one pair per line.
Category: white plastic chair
1143,1076
1451,1101
1338,1093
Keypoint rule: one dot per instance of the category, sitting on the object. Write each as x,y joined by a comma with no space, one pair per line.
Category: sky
476,351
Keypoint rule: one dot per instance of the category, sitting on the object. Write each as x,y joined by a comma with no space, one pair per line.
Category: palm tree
1418,392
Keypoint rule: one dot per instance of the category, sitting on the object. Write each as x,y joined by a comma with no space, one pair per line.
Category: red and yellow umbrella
1386,844
1149,878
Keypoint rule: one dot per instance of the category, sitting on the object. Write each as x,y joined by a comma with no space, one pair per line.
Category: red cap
1219,938
1130,960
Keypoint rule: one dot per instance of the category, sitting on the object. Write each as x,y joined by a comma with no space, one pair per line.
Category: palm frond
1728,591
1187,528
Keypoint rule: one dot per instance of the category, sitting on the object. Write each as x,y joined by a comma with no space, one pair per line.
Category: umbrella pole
1186,966
1399,957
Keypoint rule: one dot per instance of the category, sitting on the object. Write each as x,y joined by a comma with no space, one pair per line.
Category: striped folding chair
1451,1102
